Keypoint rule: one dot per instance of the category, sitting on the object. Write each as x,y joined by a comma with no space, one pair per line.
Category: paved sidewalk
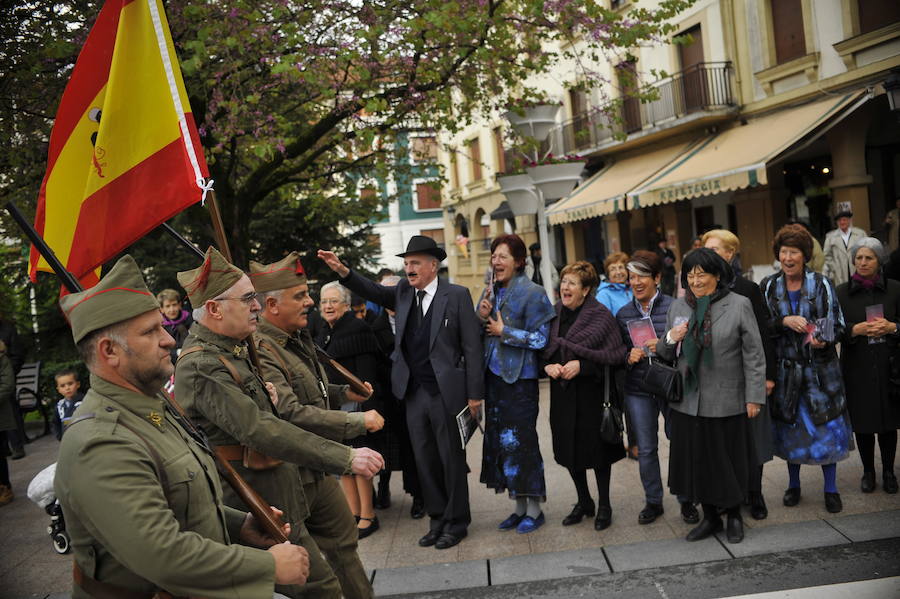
30,568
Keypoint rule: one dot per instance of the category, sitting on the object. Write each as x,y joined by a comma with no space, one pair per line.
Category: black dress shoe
372,527
417,510
383,498
430,539
704,529
604,517
734,530
833,502
650,513
18,453
867,483
577,515
791,497
448,540
889,482
758,509
689,513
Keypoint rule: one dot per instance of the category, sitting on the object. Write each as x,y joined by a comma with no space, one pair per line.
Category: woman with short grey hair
871,306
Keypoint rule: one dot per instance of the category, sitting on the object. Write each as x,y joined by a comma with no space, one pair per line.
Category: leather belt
232,453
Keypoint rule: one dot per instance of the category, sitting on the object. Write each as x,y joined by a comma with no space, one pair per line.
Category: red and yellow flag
124,151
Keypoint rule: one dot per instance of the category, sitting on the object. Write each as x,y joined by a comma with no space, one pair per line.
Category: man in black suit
437,370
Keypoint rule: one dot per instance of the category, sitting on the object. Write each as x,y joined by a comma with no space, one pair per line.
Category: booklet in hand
873,313
641,331
468,424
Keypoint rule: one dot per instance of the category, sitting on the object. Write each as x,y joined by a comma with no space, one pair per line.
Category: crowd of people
310,400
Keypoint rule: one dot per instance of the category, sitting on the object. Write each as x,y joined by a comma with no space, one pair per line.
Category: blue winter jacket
614,295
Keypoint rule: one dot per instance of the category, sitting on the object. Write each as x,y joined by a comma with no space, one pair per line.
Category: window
428,195
498,150
367,194
436,234
424,149
875,14
475,157
787,30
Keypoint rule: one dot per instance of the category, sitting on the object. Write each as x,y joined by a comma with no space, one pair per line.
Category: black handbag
663,381
786,397
611,420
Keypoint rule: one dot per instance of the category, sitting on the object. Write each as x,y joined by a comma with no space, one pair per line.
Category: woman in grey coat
721,360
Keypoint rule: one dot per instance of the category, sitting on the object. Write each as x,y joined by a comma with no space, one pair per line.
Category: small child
176,320
67,386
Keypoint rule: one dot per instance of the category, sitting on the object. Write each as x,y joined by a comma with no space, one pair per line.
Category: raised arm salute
437,370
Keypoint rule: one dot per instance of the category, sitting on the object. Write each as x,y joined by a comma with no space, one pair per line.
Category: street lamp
527,193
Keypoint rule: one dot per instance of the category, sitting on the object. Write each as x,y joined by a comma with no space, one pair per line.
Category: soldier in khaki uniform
288,358
142,502
222,391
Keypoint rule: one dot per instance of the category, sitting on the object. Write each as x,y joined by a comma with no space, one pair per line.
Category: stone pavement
30,568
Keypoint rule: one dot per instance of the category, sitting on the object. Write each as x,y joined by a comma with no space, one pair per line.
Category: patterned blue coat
822,371
526,315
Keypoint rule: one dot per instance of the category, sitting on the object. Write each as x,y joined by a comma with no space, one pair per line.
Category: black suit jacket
455,340
751,291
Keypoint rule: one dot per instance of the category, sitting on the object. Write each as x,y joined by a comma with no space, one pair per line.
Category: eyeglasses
246,299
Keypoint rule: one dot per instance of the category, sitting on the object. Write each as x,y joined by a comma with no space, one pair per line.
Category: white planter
556,180
520,193
537,122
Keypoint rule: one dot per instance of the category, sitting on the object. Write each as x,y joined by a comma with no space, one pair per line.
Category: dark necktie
420,313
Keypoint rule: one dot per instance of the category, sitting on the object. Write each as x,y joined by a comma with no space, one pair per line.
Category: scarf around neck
697,344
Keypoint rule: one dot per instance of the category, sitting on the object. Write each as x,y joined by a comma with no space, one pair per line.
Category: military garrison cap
284,274
120,295
211,279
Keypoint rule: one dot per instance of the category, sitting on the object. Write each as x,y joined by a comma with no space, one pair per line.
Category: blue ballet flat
511,522
529,524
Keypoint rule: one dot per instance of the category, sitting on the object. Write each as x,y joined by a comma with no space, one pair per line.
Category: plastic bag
40,489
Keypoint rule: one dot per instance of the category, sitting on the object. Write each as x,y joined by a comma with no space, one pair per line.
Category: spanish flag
124,151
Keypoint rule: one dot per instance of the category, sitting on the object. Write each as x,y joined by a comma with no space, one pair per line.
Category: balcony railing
702,87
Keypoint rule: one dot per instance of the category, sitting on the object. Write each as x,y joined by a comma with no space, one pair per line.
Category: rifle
258,506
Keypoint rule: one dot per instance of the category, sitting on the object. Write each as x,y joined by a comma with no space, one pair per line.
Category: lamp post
527,193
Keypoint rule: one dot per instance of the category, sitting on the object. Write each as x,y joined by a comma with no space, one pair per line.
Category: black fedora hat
419,244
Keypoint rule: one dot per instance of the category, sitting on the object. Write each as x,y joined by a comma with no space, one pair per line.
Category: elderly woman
584,341
809,407
614,292
517,316
644,273
871,307
352,343
727,245
723,368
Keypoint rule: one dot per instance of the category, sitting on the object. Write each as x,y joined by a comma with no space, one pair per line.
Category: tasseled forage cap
211,279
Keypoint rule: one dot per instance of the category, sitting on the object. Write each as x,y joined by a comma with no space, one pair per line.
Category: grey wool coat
736,375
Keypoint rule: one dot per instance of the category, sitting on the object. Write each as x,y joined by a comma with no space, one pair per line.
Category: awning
502,212
605,192
736,158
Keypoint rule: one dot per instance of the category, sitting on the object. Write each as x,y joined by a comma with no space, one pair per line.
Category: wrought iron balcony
703,87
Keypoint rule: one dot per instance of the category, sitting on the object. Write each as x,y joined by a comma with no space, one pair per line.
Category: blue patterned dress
821,433
512,459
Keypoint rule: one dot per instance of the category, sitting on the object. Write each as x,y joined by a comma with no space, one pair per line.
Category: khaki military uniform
289,362
130,525
241,414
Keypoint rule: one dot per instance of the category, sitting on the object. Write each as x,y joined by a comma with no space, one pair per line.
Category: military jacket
129,530
233,414
304,394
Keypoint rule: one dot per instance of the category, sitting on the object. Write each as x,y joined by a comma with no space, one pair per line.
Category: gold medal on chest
238,351
155,418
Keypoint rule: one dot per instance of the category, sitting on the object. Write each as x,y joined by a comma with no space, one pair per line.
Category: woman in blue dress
809,406
516,315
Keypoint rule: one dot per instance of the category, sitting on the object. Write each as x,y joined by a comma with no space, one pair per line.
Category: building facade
774,110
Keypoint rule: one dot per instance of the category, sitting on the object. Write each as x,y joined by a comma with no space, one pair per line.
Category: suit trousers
334,531
440,461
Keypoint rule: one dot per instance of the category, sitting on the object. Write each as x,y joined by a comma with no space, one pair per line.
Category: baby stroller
40,491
